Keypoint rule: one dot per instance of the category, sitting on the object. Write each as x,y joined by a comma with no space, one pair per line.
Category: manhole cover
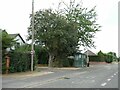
64,78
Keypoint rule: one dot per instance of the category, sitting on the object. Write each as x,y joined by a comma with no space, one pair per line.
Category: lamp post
32,44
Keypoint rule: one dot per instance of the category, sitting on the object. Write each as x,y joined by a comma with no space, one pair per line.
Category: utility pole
32,44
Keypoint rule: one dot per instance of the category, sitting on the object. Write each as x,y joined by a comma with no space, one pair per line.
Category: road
96,76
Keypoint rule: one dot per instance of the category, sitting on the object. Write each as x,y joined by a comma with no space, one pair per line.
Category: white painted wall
19,40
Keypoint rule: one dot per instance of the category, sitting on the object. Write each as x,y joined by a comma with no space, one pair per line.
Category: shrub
19,62
41,55
94,58
101,56
109,58
3,65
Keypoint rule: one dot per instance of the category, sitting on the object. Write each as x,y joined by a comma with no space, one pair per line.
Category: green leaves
7,41
85,22
62,30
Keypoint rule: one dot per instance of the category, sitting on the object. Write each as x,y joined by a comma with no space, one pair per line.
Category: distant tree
114,56
101,56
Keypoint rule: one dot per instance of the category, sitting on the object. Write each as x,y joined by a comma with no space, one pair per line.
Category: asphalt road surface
96,76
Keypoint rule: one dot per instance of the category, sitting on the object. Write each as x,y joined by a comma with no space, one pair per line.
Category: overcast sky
14,17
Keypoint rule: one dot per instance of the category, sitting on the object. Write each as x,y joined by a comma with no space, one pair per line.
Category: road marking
114,73
112,76
103,84
108,79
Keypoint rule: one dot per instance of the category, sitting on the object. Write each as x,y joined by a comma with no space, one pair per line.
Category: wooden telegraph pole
32,45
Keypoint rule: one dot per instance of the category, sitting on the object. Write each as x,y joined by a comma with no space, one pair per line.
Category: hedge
105,58
19,62
68,62
42,57
94,58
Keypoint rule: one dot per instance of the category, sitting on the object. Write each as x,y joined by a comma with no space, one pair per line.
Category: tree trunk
50,60
55,61
49,63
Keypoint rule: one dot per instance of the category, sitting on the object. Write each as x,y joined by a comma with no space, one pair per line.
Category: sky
14,18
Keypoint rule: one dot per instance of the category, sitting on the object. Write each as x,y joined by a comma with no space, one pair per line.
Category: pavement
26,74
40,72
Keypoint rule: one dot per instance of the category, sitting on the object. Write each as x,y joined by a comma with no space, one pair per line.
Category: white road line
103,84
108,79
114,73
112,76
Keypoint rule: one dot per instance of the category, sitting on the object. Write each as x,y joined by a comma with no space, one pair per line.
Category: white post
87,57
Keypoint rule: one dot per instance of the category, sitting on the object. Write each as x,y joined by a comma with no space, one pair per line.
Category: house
92,56
89,53
17,38
19,41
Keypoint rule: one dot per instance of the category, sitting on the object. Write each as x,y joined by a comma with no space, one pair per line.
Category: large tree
58,36
62,31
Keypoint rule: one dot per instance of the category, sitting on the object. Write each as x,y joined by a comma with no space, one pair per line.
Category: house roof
90,53
15,35
4,31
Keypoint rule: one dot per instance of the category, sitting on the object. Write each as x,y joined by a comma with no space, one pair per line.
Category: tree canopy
6,40
62,31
